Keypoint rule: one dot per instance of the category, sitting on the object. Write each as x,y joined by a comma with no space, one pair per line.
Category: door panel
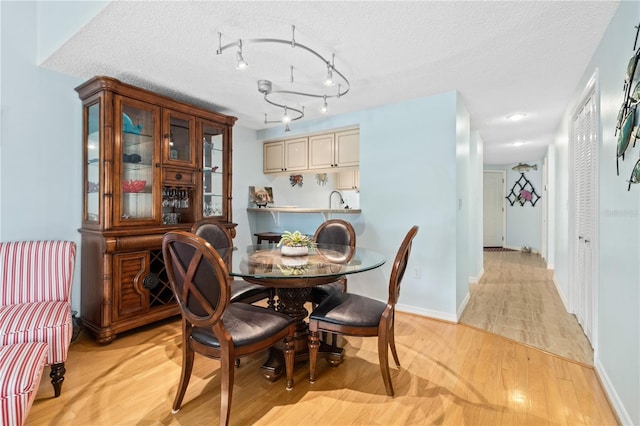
493,209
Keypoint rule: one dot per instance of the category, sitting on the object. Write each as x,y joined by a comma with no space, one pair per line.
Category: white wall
617,343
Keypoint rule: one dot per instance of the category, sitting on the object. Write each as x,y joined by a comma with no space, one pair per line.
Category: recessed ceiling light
516,116
518,143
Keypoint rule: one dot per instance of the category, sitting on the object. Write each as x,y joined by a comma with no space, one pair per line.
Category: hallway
516,298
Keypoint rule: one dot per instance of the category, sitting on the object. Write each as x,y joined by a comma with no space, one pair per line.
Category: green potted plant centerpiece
295,243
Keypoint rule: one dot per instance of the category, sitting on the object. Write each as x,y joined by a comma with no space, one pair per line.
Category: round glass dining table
292,277
265,264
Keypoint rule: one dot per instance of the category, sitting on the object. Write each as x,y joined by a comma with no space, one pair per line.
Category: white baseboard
614,399
476,280
427,313
463,305
561,294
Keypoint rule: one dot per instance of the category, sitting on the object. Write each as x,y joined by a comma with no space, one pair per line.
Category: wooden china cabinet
151,164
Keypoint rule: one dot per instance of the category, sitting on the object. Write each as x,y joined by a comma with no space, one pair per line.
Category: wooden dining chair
335,232
211,325
241,291
355,315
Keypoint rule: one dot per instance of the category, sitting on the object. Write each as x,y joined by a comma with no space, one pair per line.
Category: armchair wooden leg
314,345
57,377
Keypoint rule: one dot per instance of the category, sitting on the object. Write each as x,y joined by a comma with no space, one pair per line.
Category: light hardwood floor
451,374
516,298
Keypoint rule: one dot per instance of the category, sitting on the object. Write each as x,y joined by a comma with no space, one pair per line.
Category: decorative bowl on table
294,250
133,185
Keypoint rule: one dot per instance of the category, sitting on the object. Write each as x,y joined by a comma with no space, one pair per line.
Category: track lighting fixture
332,77
241,64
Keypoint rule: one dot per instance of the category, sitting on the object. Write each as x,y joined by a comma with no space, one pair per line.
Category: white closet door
584,184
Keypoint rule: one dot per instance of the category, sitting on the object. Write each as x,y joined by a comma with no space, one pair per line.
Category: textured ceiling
501,56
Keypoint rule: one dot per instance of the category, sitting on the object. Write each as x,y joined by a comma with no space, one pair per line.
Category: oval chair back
213,233
220,238
400,265
198,276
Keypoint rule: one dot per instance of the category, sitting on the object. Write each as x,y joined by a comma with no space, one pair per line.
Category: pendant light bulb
285,118
325,107
241,63
287,129
328,81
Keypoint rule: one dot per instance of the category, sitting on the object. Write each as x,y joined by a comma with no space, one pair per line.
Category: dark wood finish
203,290
354,320
271,237
124,283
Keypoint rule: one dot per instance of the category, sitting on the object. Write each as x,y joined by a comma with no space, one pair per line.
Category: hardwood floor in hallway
516,298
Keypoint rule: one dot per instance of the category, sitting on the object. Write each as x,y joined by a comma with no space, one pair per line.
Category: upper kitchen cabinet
331,150
348,179
285,156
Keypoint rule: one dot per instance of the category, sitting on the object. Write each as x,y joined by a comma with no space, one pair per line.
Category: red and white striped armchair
35,288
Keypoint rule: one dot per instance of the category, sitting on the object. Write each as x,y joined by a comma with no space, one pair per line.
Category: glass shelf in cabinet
131,139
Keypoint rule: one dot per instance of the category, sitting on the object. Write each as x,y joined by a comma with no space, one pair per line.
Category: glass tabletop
267,262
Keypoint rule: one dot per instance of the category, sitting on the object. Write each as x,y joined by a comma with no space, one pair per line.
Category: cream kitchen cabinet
285,156
348,179
340,149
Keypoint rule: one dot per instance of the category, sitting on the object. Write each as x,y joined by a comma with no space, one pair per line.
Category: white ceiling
501,56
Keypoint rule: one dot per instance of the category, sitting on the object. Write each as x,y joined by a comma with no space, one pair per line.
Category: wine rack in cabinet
151,164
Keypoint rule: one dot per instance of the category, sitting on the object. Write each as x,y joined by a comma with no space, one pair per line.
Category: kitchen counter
301,210
326,213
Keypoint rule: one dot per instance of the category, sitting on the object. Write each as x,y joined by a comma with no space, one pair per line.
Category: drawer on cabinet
178,177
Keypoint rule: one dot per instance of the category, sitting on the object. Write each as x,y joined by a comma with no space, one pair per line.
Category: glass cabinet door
179,139
213,185
138,124
92,173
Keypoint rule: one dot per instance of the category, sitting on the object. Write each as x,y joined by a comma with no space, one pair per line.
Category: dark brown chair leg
314,345
187,367
289,355
392,341
383,356
57,377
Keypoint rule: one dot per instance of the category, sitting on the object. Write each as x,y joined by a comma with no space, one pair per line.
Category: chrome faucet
331,195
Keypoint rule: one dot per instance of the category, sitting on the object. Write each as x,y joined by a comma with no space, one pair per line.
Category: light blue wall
58,20
463,173
524,223
617,343
476,201
408,175
40,161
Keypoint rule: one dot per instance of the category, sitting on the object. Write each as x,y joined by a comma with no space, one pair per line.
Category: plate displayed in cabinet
133,185
128,127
